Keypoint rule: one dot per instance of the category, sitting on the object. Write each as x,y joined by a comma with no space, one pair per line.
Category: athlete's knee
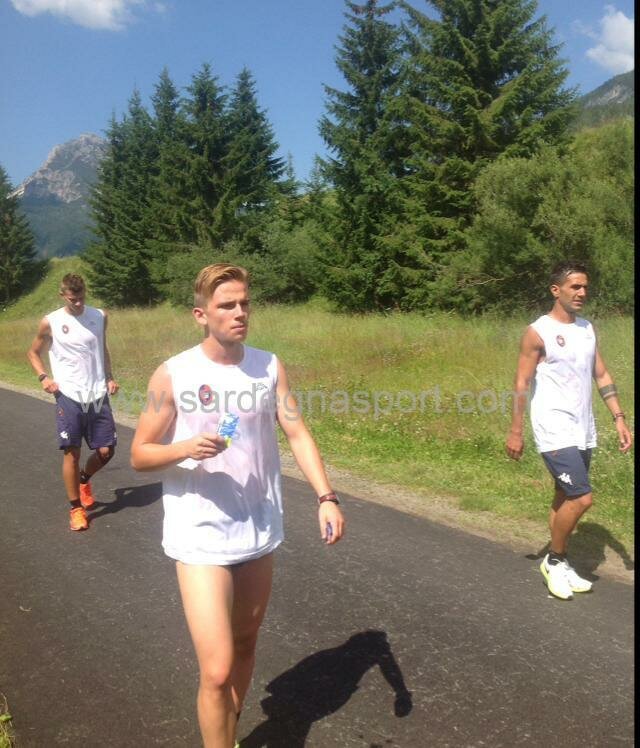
104,454
585,501
215,675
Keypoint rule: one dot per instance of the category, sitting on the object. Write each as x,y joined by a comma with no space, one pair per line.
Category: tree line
454,177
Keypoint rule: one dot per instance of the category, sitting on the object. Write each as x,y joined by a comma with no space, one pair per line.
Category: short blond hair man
81,381
222,497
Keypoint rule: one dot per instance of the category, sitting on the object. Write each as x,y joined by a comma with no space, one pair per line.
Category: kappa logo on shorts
64,434
205,394
565,478
65,329
560,340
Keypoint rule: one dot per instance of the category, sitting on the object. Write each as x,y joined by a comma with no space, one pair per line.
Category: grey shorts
570,470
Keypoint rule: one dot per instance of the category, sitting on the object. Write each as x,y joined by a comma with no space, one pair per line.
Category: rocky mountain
55,197
613,99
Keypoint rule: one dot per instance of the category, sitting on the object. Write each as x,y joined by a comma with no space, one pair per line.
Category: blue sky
67,65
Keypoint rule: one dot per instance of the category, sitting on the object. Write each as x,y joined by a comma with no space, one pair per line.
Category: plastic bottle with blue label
228,427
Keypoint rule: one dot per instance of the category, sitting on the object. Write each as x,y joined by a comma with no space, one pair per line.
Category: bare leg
97,460
71,472
207,598
224,607
563,518
251,592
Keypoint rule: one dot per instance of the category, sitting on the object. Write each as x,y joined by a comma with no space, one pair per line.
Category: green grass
7,737
455,451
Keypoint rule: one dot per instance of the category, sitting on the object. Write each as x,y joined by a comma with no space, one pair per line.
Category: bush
284,269
535,212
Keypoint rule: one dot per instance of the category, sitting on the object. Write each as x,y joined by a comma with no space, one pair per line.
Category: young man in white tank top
81,381
223,508
559,355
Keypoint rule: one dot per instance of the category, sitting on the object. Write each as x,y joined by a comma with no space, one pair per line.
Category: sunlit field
408,400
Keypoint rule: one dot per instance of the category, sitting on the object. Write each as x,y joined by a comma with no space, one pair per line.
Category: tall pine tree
18,264
482,80
170,190
207,141
169,176
121,258
254,169
365,163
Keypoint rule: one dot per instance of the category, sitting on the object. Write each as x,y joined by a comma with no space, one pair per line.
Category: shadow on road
131,497
320,685
587,548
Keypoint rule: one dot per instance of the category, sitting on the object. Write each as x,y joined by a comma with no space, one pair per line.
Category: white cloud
93,14
614,50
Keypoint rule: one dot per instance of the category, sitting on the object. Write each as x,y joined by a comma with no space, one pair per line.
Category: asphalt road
94,650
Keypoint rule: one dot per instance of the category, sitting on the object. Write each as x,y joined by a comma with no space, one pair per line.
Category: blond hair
72,282
212,276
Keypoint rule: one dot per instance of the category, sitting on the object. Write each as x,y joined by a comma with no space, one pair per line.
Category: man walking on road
559,353
81,381
210,421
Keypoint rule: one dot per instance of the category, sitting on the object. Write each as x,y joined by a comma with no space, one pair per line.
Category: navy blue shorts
570,470
93,421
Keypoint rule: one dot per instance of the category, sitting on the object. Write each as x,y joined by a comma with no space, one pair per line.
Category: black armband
609,390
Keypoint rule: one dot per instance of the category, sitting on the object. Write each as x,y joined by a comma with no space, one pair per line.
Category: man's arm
40,345
609,393
112,385
148,452
531,351
307,456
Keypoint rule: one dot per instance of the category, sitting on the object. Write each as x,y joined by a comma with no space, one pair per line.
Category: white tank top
77,353
561,414
228,508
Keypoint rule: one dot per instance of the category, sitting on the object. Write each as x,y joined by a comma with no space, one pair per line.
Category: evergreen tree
252,169
482,80
18,264
365,159
170,189
120,260
292,203
207,142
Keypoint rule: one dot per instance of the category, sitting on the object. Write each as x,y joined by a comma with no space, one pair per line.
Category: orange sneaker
78,519
86,495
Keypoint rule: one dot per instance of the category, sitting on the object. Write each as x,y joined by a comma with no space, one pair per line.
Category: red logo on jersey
560,340
205,394
65,329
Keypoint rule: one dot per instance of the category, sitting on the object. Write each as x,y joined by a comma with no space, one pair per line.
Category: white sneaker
556,578
576,582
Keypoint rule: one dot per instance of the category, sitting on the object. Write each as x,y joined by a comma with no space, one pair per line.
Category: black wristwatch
331,496
42,377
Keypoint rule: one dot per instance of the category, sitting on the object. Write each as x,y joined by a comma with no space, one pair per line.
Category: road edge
522,536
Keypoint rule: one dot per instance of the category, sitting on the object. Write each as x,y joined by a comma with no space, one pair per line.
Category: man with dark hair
76,337
559,353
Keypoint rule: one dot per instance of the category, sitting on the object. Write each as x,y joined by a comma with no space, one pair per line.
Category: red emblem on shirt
65,329
205,394
560,340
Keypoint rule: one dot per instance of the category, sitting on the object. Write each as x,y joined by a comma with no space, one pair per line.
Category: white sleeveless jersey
77,353
561,414
228,508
